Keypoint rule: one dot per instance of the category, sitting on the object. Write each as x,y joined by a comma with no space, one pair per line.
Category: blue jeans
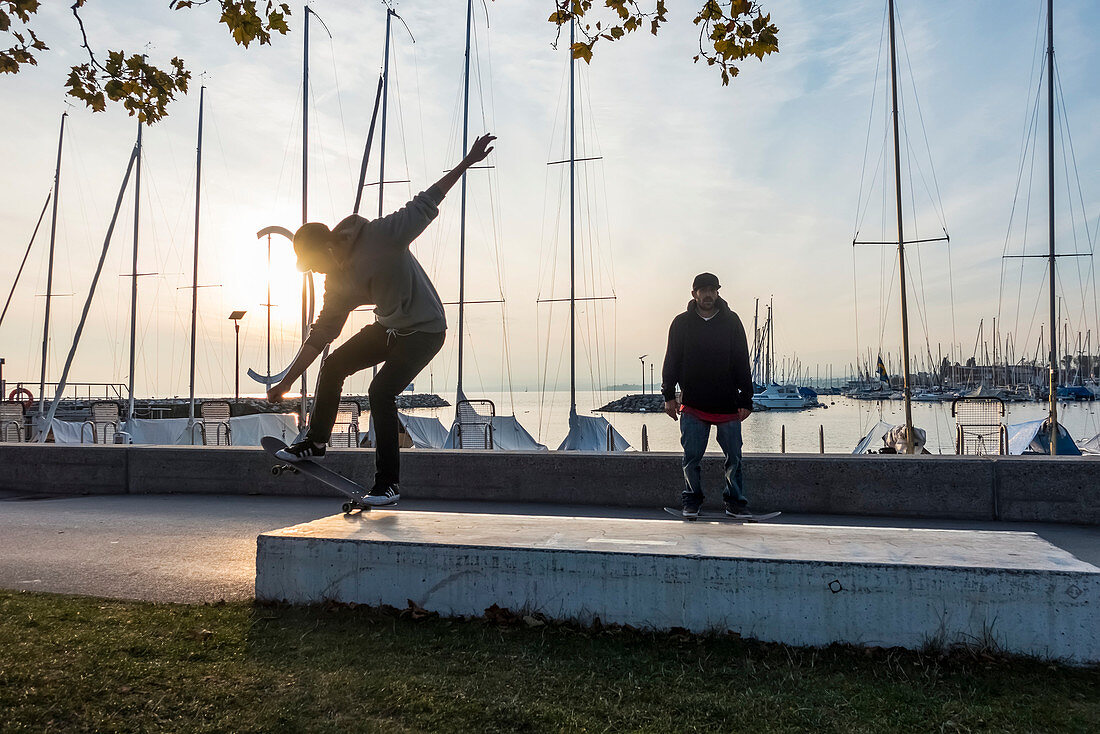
694,435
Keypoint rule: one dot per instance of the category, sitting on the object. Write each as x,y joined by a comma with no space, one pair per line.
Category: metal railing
74,390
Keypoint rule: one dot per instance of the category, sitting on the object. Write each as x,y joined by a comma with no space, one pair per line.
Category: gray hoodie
380,270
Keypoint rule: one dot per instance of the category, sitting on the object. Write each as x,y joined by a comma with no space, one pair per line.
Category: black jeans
404,357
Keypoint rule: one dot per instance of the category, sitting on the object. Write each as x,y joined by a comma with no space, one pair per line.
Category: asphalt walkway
202,548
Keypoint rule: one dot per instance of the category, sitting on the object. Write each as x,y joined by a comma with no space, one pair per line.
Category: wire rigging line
46,205
867,143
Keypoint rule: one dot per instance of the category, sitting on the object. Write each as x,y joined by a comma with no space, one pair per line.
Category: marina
1010,361
421,252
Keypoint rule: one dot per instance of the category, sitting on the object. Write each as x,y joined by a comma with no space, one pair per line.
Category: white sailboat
476,424
1048,436
586,433
775,396
908,436
782,397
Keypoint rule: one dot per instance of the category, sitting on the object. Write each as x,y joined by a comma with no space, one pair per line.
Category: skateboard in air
721,516
339,482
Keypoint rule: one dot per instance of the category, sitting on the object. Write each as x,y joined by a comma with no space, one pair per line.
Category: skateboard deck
721,517
339,482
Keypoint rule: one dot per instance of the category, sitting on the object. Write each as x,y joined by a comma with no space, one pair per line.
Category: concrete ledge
29,468
1036,489
800,585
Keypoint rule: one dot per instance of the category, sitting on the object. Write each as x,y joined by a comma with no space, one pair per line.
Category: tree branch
22,51
76,6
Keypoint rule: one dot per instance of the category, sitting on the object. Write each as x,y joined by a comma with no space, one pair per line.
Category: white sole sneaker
294,458
381,500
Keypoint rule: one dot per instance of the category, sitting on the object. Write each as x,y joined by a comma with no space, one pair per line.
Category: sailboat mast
195,266
134,273
572,222
756,339
909,435
1050,217
771,346
49,271
385,100
462,215
305,195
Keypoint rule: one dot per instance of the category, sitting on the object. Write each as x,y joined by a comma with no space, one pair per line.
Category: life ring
27,402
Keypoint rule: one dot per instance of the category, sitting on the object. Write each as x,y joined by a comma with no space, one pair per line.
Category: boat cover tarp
69,432
1091,446
508,435
1074,392
985,392
872,442
1032,438
247,430
895,439
429,433
887,434
589,433
425,432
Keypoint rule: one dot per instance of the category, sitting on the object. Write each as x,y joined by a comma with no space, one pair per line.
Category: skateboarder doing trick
369,262
708,357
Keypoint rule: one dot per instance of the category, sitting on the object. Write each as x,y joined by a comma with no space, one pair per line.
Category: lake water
845,421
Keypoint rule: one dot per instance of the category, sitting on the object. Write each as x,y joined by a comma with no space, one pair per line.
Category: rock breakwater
635,404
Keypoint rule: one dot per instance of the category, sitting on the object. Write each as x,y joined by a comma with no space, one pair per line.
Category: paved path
202,548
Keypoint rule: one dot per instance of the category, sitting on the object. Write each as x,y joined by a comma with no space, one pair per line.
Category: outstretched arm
478,152
405,225
304,359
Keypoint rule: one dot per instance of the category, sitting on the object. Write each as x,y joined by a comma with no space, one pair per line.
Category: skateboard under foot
353,491
721,517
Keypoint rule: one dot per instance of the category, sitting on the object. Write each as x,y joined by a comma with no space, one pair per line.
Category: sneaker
302,451
690,506
738,510
383,495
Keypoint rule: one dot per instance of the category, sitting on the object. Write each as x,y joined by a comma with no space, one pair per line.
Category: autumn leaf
730,30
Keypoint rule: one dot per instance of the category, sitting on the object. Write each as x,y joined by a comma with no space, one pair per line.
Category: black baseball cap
705,280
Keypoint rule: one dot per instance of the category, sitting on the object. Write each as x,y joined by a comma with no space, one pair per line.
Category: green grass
82,664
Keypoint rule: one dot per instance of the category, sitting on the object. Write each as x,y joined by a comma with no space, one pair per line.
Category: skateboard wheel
347,508
276,470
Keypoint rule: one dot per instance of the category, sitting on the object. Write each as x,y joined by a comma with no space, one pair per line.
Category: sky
765,183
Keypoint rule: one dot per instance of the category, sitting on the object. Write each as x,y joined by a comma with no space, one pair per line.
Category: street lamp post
236,317
642,360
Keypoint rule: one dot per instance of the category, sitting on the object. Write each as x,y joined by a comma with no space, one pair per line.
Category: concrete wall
1038,489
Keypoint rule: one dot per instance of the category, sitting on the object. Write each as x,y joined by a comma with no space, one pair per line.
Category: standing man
369,262
708,356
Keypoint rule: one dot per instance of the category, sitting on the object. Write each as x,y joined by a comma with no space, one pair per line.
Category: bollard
645,438
782,439
821,438
610,438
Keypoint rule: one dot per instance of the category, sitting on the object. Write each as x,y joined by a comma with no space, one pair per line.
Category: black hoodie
709,360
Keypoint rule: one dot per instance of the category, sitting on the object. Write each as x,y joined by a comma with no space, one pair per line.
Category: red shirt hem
712,418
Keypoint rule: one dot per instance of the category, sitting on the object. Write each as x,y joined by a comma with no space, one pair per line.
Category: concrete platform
797,584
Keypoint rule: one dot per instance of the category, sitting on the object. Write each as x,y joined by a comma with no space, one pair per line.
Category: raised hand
480,150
